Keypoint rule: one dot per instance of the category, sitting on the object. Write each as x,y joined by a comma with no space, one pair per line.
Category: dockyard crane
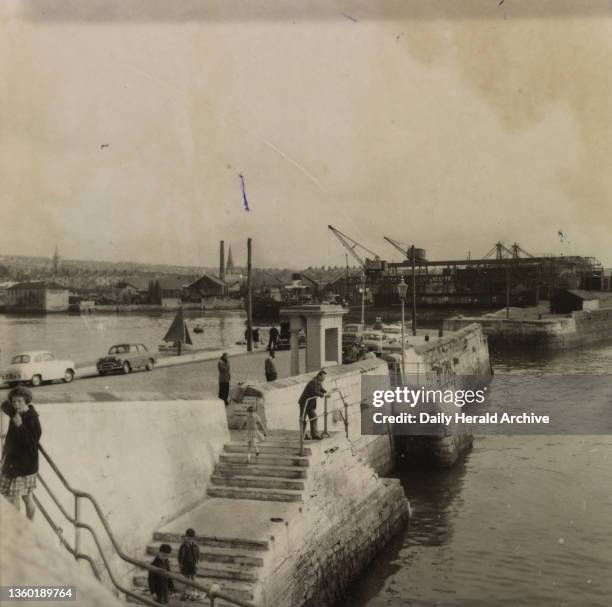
403,248
368,264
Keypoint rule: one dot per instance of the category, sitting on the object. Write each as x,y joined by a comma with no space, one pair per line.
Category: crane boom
350,245
398,246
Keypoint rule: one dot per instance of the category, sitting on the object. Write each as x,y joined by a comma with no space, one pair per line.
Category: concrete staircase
232,563
277,476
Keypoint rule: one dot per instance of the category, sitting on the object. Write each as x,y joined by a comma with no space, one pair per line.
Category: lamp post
363,284
402,289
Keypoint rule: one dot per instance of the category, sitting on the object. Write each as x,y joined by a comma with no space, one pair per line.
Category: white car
36,367
374,340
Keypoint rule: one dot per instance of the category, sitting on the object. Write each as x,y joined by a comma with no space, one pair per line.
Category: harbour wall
459,360
549,333
349,513
144,462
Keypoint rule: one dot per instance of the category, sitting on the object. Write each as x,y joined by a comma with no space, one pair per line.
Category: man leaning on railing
308,405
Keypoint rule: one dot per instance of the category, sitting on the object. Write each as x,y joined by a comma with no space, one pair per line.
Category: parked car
126,358
374,341
392,330
284,338
352,333
36,367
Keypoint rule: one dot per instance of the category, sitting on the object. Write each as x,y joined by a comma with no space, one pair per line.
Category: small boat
177,338
198,329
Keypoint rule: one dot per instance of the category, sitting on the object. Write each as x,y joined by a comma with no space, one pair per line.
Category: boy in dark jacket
20,450
188,557
160,585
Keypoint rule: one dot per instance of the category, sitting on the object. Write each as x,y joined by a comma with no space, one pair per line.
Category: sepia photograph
306,304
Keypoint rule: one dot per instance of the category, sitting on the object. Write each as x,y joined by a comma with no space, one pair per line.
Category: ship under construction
505,275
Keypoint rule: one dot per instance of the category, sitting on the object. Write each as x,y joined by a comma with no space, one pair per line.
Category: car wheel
36,380
126,367
102,372
68,376
150,364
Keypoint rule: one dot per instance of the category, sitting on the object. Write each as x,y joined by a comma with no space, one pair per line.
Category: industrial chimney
222,260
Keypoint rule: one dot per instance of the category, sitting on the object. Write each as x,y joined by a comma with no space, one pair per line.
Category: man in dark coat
224,378
308,404
20,451
273,338
270,367
160,585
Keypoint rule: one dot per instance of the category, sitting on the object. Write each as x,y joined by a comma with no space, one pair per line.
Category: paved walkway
185,380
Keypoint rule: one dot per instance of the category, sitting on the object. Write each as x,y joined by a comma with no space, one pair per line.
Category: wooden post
414,327
249,298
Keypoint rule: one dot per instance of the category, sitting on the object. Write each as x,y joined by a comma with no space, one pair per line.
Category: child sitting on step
253,423
188,557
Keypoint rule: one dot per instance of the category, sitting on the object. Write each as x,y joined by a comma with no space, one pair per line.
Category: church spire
229,267
56,261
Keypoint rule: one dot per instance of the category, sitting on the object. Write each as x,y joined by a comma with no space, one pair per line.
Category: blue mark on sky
244,196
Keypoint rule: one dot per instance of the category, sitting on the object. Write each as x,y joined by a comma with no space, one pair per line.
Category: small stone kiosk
323,327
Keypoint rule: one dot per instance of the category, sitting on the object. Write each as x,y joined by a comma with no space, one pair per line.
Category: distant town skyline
152,137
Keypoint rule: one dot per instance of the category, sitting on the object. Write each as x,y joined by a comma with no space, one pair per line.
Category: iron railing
303,418
211,592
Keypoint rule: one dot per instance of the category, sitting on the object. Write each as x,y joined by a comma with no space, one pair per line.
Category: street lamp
363,283
402,289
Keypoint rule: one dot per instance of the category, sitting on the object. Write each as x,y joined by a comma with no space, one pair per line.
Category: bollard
441,332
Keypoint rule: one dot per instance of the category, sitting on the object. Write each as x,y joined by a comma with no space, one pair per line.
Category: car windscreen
22,358
118,350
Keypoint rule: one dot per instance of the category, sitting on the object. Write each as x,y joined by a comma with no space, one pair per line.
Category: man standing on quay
270,367
308,404
224,378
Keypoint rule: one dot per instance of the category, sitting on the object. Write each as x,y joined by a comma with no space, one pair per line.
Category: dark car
284,339
126,358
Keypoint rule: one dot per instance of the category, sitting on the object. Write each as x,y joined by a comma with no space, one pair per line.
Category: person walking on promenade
308,404
272,338
253,423
224,378
188,557
20,451
270,367
160,585
256,337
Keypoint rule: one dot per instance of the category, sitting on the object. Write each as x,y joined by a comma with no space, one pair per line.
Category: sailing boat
177,336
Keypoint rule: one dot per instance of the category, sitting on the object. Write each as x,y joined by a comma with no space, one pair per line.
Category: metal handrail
303,418
210,592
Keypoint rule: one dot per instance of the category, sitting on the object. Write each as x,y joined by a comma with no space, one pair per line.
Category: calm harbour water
89,336
521,520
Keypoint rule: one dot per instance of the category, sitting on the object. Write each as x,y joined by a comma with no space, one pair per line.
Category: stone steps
213,541
257,482
174,600
256,469
269,495
265,459
211,554
241,590
269,447
214,569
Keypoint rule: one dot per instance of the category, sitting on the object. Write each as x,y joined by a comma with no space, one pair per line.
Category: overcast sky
125,126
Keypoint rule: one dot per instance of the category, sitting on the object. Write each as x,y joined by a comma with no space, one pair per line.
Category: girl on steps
253,423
